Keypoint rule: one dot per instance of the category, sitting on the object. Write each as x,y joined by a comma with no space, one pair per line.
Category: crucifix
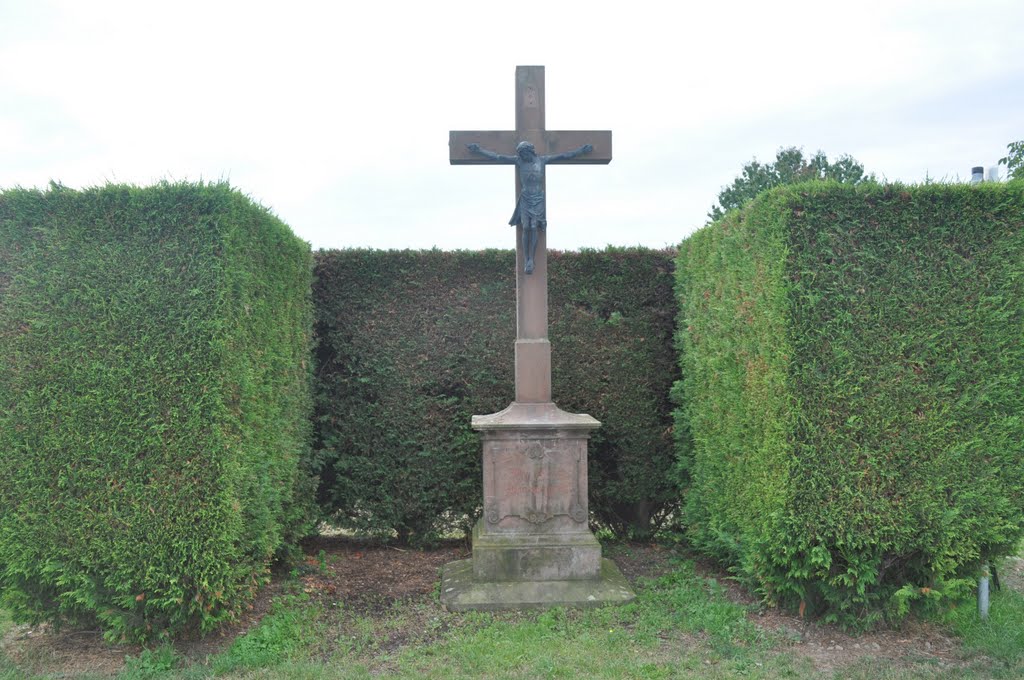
530,147
532,547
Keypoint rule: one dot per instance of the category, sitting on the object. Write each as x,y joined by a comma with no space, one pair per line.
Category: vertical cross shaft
533,351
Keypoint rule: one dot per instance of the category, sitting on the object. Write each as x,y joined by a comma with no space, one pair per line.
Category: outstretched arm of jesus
487,153
586,148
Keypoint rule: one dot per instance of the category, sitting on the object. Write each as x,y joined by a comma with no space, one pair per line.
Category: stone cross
533,351
533,546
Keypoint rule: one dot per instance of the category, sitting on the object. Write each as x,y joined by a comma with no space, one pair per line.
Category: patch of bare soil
369,576
639,560
1011,574
829,648
41,650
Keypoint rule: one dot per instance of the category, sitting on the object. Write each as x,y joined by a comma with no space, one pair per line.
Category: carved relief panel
535,481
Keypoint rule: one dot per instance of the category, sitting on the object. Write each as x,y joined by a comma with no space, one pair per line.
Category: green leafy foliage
790,167
1014,159
853,389
154,404
413,344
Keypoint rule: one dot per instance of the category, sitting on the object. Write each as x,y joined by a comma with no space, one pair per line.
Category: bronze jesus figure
531,211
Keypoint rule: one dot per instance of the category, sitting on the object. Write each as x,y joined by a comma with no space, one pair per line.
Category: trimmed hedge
854,387
412,344
154,403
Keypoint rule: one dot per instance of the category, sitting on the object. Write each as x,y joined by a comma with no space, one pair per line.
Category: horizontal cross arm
547,142
560,141
500,141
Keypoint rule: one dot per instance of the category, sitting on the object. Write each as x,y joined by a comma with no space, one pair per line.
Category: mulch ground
370,576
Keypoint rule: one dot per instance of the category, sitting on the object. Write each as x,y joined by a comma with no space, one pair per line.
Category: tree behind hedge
1014,160
790,167
155,404
854,384
413,344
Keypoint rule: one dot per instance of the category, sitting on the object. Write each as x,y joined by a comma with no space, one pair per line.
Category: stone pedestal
533,547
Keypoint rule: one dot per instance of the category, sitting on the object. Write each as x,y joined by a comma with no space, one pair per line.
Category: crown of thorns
524,145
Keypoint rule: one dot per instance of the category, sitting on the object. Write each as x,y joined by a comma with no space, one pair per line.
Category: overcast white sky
336,115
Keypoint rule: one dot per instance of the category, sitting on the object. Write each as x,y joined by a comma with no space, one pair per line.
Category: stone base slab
535,557
461,592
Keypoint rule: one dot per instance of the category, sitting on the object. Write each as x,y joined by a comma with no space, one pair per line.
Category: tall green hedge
154,403
412,344
853,390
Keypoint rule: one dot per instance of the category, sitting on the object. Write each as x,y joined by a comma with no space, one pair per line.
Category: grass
283,634
682,625
151,663
1001,637
678,623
